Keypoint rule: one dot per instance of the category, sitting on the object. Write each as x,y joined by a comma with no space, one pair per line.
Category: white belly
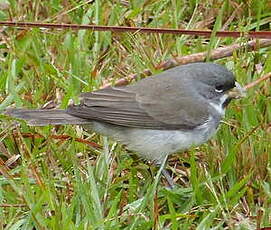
155,145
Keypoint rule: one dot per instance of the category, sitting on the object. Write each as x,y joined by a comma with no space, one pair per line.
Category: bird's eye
219,89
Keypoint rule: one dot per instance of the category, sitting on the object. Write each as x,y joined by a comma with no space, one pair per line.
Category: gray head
214,75
212,80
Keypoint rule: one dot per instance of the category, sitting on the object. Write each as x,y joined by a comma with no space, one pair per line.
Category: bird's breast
155,145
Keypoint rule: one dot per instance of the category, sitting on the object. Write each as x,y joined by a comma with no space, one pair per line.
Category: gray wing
132,106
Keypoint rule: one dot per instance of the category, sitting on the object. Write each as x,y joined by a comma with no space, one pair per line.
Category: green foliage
49,183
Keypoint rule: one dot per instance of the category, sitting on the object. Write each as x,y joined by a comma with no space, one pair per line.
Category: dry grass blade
12,205
4,170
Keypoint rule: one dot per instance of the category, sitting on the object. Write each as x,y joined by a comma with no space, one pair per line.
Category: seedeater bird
156,116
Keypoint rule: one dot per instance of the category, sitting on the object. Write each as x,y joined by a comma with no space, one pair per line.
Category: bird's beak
237,92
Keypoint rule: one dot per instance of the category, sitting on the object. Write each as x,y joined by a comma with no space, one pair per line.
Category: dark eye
219,89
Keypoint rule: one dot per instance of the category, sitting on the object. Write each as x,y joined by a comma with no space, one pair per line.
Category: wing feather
122,106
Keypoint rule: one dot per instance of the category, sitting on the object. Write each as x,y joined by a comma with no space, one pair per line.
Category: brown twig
12,205
123,29
218,53
256,82
60,137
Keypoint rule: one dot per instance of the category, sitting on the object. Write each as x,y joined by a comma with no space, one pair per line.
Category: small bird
156,116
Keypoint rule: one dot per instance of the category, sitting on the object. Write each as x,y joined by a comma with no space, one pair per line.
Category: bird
159,115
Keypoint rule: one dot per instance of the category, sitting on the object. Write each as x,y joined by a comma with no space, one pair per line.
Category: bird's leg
165,173
168,178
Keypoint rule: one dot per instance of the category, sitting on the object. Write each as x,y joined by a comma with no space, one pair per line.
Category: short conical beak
237,92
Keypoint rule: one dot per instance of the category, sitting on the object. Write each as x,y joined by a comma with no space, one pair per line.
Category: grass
63,184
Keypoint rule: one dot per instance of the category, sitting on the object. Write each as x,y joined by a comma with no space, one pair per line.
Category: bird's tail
42,117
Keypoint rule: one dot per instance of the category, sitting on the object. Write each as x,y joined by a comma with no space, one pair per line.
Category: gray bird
156,116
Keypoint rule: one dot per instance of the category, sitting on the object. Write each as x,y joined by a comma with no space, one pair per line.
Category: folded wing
130,107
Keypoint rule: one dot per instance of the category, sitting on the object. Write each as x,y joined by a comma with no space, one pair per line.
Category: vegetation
49,183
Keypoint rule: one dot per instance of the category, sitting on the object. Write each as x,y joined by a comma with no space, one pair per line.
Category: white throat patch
219,107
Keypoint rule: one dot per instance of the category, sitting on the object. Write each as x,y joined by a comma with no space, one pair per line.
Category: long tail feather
42,117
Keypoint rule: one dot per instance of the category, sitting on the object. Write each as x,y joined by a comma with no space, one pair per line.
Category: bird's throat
220,104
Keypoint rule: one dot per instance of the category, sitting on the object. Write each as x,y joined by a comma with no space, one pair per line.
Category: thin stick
122,29
256,82
218,53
